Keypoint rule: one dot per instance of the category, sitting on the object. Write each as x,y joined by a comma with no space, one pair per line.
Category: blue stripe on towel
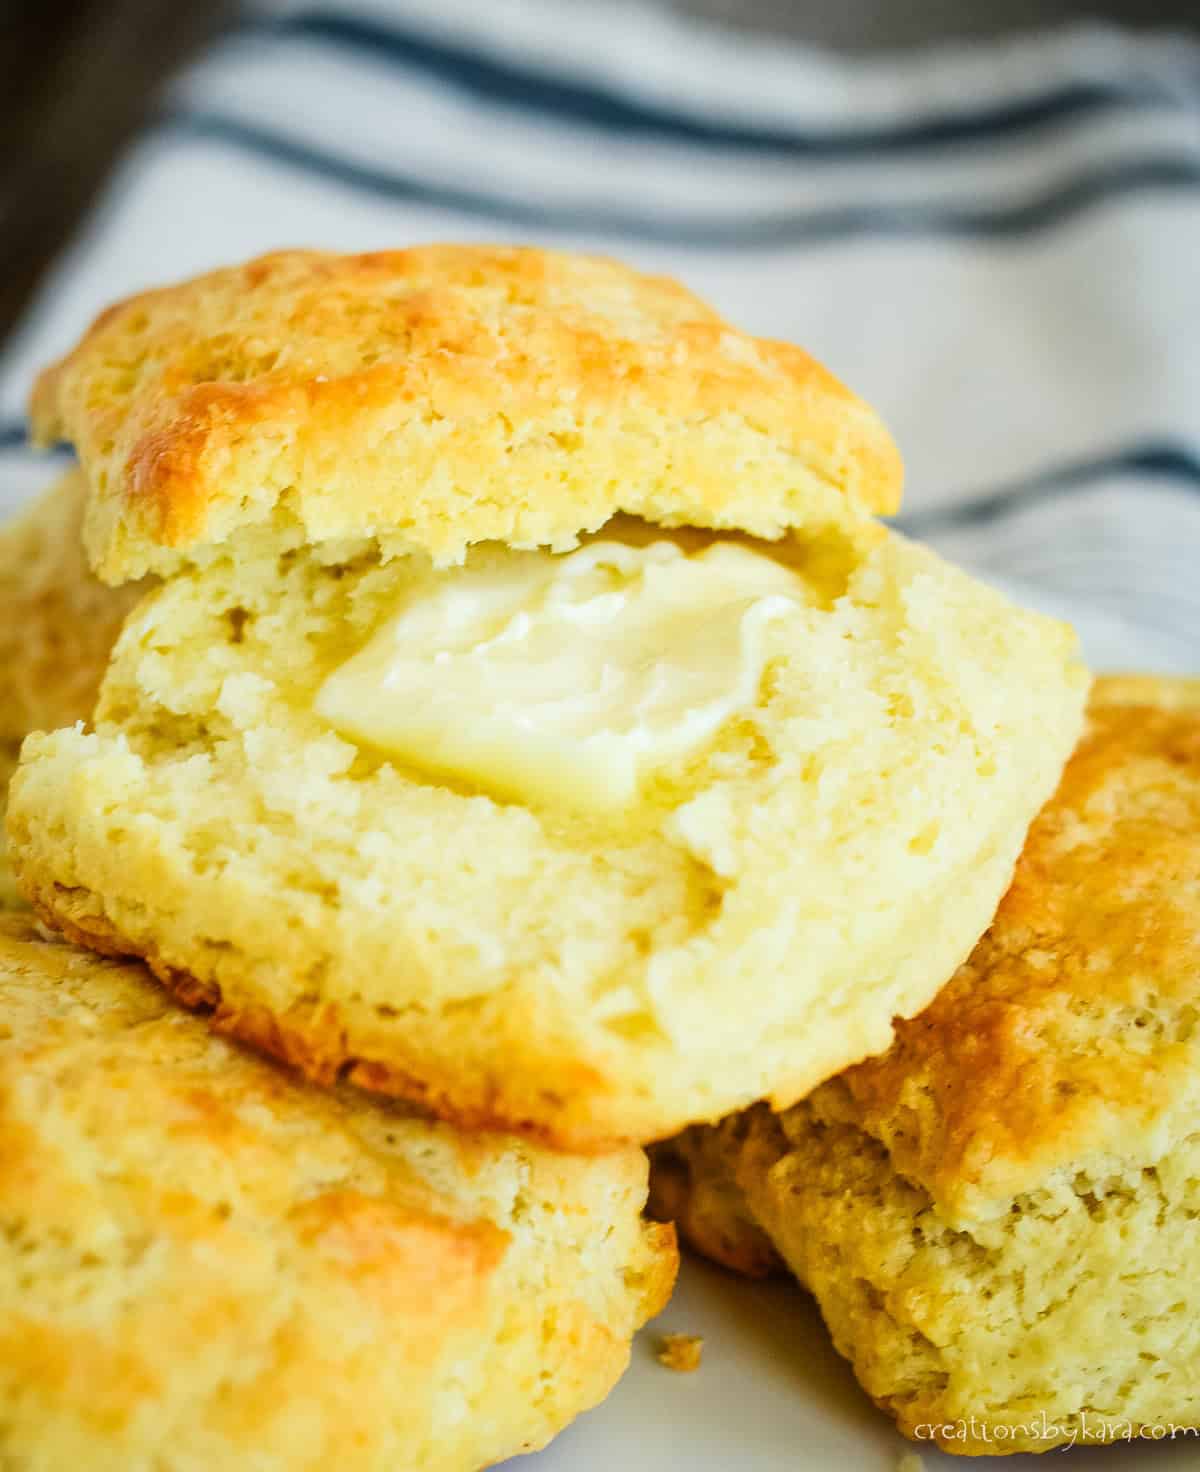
1163,173
577,101
14,439
1153,460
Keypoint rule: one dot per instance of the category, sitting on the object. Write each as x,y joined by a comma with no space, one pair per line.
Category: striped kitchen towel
998,245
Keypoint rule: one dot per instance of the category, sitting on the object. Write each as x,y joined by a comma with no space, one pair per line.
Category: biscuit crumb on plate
681,1352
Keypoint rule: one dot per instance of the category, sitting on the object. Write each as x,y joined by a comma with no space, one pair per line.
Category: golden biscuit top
204,1259
441,396
1070,1034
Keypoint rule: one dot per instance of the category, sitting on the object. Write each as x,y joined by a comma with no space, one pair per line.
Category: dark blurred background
78,77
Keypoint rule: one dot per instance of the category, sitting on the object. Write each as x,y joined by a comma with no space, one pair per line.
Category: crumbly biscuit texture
441,396
998,1216
207,1263
1070,1032
751,926
1068,1319
681,1353
58,624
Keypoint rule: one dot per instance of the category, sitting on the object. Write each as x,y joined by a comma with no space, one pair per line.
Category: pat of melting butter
566,678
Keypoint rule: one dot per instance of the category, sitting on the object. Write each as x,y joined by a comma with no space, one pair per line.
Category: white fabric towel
998,245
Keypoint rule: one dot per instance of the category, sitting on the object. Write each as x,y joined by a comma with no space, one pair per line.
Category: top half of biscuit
440,396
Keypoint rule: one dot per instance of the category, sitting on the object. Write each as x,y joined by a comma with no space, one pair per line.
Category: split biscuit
534,722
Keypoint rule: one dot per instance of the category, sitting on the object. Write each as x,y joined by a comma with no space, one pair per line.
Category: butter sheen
570,678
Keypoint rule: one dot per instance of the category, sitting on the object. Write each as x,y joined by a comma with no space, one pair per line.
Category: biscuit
58,624
998,1216
442,396
557,940
751,926
208,1264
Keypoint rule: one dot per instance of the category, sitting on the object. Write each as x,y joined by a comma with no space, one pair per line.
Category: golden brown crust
445,395
204,1261
313,1042
1069,1024
657,1269
693,1183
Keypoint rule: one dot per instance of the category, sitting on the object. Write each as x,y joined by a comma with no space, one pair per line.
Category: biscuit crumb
681,1352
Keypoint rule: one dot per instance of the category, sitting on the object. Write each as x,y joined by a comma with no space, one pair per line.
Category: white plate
771,1393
